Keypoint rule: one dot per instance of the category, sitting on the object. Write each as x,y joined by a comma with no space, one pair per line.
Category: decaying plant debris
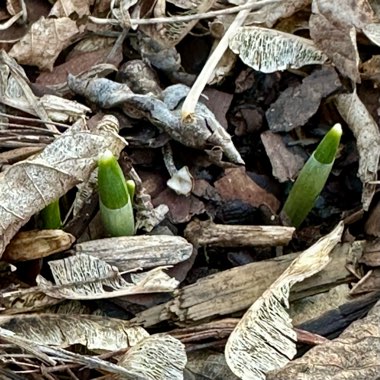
212,108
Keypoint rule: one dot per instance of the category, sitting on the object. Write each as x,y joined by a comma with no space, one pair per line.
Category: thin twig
7,24
174,19
31,119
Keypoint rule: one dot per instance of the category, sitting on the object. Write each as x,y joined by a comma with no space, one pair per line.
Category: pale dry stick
192,97
7,24
174,19
23,82
31,119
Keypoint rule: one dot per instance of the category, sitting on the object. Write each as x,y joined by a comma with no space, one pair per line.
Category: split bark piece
221,235
131,252
236,289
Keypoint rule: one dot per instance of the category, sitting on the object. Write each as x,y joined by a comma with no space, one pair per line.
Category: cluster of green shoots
116,194
115,200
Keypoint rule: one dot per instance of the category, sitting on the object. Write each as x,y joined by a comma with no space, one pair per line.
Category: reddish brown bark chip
236,184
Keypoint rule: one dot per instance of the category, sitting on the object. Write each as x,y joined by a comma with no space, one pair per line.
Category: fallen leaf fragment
269,14
157,357
296,105
66,8
236,184
264,339
286,163
94,332
83,277
366,132
44,42
333,28
181,208
269,50
29,186
354,355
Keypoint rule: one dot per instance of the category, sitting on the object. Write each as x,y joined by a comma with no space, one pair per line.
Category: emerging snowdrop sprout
51,216
115,197
312,178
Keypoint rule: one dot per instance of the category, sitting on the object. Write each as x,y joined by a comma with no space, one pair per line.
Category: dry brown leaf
370,70
236,184
181,208
83,277
271,13
169,34
270,50
264,339
354,355
29,186
286,164
63,330
297,104
333,28
66,8
157,357
356,13
366,132
44,42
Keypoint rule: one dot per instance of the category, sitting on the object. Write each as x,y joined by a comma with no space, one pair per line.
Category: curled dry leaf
157,357
44,42
200,132
270,50
29,186
366,132
83,277
264,339
63,330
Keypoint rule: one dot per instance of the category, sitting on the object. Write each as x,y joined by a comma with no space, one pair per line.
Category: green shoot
312,178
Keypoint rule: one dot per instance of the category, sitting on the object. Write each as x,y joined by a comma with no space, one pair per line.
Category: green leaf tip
311,179
327,148
115,196
112,188
51,216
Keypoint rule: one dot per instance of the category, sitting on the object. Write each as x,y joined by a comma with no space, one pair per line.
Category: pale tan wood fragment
207,233
236,289
35,244
145,251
